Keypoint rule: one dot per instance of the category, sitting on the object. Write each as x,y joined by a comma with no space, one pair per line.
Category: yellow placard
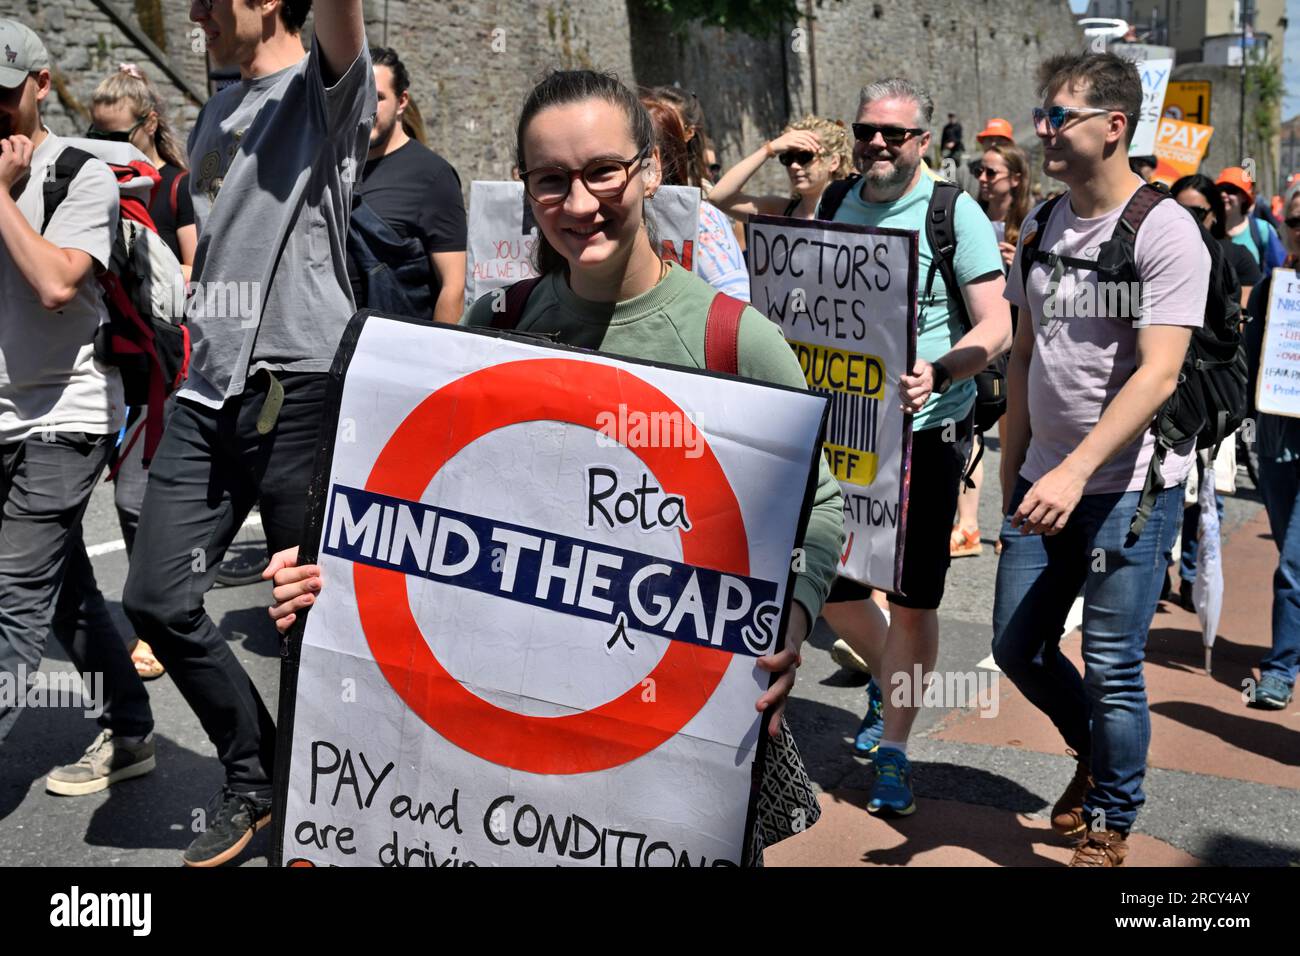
1188,100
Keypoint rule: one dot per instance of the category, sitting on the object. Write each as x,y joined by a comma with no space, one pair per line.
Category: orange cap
1236,176
996,127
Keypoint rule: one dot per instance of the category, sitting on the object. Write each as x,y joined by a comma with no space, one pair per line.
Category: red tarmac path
1199,724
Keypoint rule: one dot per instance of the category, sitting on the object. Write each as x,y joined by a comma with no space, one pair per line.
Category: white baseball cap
21,52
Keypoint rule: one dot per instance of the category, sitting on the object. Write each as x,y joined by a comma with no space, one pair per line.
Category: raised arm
728,193
341,33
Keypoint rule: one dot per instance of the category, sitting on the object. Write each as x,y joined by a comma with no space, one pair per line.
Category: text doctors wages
549,575
1278,391
845,298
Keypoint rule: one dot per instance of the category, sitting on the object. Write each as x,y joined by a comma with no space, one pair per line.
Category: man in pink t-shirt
1092,363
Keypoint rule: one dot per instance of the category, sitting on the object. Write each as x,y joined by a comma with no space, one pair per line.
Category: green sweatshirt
666,324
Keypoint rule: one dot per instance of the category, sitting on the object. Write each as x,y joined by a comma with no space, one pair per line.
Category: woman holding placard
587,156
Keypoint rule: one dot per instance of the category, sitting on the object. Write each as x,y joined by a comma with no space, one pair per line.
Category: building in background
1187,25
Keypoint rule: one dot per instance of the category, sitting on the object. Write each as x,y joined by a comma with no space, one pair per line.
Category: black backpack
393,273
941,234
1210,401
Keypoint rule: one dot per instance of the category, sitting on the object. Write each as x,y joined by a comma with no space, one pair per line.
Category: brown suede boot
1101,848
1067,814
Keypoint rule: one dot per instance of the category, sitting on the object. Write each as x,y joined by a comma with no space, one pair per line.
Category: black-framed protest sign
548,576
845,297
1277,389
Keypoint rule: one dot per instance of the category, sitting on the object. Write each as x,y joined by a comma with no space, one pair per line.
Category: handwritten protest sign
1278,389
1155,79
547,583
845,297
502,237
1180,147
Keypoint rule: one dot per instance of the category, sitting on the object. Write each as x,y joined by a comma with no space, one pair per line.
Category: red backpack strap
176,185
722,335
516,296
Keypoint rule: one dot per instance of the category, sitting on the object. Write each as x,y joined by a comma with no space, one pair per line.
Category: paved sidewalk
1223,785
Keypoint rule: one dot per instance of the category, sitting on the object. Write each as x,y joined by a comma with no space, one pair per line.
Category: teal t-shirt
937,331
1247,240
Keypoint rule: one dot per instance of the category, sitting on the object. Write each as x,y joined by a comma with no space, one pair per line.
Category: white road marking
108,547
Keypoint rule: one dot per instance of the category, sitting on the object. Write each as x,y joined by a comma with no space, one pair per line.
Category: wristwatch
942,378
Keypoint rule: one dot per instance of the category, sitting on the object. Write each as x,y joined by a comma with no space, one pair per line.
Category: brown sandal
146,665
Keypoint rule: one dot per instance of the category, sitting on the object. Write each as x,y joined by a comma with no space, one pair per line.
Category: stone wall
472,61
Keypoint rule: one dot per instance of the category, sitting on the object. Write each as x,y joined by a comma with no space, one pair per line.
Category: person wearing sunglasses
895,191
1244,227
1084,386
814,151
1277,440
274,160
60,412
126,108
1003,177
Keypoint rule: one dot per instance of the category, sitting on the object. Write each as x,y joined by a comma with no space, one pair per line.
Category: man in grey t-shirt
273,160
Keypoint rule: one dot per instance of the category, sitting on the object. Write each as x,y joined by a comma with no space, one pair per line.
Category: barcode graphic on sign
852,420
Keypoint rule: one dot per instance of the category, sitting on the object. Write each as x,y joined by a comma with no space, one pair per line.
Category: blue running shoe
872,727
1272,693
892,793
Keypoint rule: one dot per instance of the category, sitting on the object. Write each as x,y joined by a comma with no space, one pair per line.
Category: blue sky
1290,56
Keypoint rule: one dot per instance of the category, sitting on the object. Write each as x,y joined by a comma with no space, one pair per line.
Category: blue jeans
1103,714
1279,484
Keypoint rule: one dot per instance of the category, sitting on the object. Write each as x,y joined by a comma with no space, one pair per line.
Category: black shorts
937,468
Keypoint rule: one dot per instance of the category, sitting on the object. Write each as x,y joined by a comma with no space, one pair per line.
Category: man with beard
895,191
416,194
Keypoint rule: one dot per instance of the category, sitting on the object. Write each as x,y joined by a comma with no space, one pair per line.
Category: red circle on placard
620,730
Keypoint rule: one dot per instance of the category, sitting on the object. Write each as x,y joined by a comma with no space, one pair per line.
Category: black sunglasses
1200,212
801,156
114,136
892,135
715,170
1292,222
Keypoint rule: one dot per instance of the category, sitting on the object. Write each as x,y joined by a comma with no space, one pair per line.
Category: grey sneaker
105,762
